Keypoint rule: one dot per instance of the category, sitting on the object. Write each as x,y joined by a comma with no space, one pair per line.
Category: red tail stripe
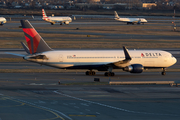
35,37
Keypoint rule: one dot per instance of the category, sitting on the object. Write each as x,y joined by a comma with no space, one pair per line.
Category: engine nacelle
134,68
67,22
2,23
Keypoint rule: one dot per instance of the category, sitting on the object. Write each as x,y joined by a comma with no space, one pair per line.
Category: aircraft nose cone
174,60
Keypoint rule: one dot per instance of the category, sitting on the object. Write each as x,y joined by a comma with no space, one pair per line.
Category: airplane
133,61
54,20
2,20
130,20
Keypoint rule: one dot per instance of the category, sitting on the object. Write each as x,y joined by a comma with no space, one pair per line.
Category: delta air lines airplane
130,20
54,20
133,61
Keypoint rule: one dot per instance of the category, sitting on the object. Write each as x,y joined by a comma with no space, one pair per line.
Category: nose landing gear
164,71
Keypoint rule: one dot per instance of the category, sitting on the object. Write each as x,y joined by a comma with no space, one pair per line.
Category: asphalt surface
27,96
39,96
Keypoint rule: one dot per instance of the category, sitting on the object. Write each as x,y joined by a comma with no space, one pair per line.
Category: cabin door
60,58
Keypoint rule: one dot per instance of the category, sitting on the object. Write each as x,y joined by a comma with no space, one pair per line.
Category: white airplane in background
2,20
133,61
54,20
130,20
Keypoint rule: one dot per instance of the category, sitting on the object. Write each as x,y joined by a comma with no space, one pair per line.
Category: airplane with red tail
133,61
53,20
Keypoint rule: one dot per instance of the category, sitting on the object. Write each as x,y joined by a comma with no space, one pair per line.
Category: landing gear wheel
90,73
112,74
52,23
109,74
93,73
87,72
60,23
163,73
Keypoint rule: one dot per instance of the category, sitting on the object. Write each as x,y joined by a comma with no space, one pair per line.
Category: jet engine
139,21
134,68
2,23
67,22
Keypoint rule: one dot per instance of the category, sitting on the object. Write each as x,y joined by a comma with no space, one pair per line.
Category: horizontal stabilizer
20,55
25,47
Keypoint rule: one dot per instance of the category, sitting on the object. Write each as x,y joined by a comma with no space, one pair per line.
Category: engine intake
66,22
134,68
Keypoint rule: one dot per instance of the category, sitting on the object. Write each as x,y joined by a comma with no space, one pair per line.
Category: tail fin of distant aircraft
44,13
116,15
35,42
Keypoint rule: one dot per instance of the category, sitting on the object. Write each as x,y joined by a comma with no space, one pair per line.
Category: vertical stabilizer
35,42
116,15
44,13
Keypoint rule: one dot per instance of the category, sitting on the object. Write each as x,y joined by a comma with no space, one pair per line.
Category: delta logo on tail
33,39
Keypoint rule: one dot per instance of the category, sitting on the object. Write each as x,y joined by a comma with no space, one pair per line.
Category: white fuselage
92,58
132,20
57,19
2,20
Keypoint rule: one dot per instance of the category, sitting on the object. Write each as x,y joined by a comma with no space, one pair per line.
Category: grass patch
79,39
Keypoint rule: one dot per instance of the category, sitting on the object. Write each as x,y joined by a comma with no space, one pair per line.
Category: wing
122,63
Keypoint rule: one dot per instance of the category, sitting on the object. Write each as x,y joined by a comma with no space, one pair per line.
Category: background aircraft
2,20
130,20
134,61
54,20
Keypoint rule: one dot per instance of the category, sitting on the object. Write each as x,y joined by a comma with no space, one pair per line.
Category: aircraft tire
163,73
108,74
90,73
87,72
112,74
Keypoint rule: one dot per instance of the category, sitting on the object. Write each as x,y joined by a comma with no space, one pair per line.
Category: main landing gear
109,74
94,73
164,71
90,72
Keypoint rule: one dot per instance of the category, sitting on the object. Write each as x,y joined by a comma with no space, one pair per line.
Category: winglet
25,47
126,53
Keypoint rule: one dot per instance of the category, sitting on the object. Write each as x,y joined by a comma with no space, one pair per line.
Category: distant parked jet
130,20
54,20
2,20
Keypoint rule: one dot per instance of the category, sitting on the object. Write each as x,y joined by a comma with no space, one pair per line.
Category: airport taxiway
39,96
